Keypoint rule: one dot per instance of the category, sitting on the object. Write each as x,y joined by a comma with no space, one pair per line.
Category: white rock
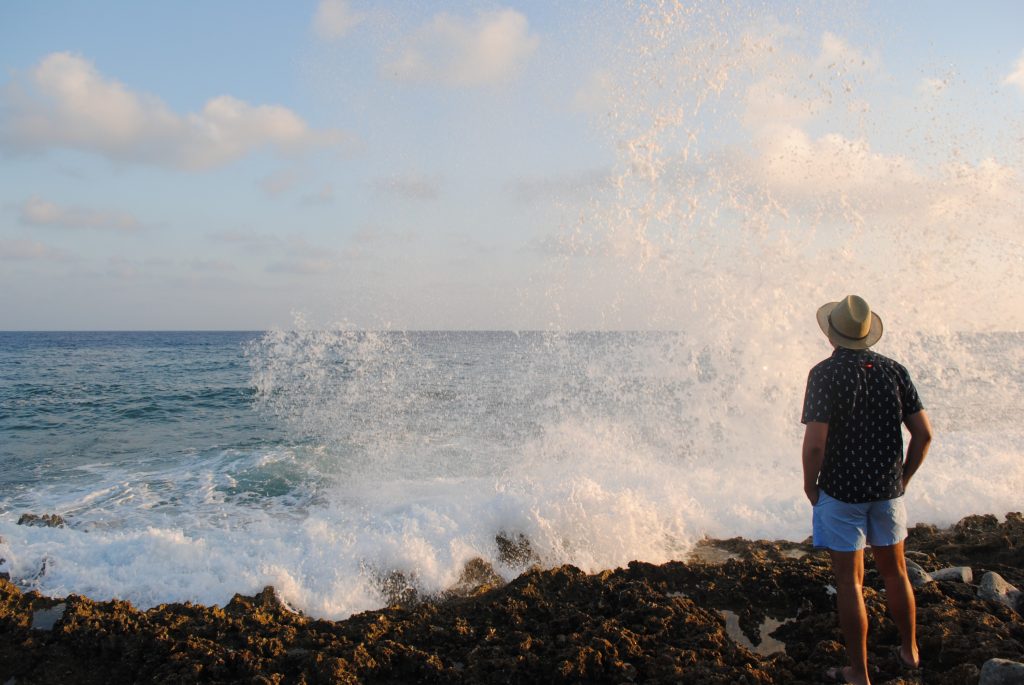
918,576
995,589
962,574
1002,672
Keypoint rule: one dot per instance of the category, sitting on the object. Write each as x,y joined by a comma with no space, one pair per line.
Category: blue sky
486,165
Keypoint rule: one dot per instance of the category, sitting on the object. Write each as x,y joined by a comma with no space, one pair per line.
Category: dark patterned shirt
864,398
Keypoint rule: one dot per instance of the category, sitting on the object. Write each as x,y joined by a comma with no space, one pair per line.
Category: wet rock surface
42,520
644,623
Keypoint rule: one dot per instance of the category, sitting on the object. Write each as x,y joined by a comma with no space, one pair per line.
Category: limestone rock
961,574
1002,672
918,576
995,589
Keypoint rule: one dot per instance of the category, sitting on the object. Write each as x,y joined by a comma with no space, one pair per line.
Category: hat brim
840,340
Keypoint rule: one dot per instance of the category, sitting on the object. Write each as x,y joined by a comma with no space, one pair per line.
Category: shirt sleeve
817,398
910,400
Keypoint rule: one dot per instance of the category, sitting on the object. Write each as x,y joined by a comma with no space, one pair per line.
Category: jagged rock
976,524
270,600
647,623
995,589
267,601
477,576
961,574
1002,672
398,588
917,556
918,576
42,520
515,551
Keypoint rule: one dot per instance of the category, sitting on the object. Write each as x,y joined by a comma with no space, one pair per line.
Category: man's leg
853,618
900,598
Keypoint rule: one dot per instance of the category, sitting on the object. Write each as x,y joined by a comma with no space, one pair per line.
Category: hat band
843,335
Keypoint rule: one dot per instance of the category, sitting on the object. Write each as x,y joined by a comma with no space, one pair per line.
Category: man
855,473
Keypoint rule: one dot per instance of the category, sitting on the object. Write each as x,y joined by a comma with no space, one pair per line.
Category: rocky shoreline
720,617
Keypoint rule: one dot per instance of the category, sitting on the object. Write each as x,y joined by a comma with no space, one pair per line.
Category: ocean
330,462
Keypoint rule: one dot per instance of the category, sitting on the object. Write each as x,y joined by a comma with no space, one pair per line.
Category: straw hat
850,323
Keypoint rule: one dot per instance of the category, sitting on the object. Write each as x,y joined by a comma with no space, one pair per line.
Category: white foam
599,450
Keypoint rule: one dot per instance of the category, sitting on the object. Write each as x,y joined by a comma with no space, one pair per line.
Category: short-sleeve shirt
864,398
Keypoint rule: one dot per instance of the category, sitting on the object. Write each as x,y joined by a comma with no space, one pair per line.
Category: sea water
190,466
756,176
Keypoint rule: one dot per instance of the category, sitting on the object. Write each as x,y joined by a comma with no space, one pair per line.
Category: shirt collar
846,352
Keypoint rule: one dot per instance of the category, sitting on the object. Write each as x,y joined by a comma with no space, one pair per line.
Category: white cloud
410,187
580,186
246,239
334,19
294,250
39,212
797,165
210,265
932,86
838,56
25,250
65,102
374,234
790,88
461,53
323,196
302,267
279,181
597,93
1016,77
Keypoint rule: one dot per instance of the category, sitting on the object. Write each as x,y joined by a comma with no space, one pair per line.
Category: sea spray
747,189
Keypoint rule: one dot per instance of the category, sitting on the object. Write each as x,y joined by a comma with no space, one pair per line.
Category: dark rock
645,623
42,520
477,576
1002,672
972,525
515,550
398,588
919,557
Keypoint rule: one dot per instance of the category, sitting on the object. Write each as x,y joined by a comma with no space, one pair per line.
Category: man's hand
812,494
815,436
920,440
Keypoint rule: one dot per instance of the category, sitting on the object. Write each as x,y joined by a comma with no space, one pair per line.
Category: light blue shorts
845,527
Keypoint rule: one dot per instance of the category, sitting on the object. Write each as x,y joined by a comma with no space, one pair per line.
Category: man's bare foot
908,657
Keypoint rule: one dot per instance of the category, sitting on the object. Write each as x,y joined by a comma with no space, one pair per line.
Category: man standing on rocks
855,473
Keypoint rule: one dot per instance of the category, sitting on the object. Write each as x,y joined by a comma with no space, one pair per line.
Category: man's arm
920,440
815,436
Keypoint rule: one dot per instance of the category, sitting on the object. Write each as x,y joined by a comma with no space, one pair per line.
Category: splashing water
746,192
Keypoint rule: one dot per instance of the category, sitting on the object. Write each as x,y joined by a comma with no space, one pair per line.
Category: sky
508,165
